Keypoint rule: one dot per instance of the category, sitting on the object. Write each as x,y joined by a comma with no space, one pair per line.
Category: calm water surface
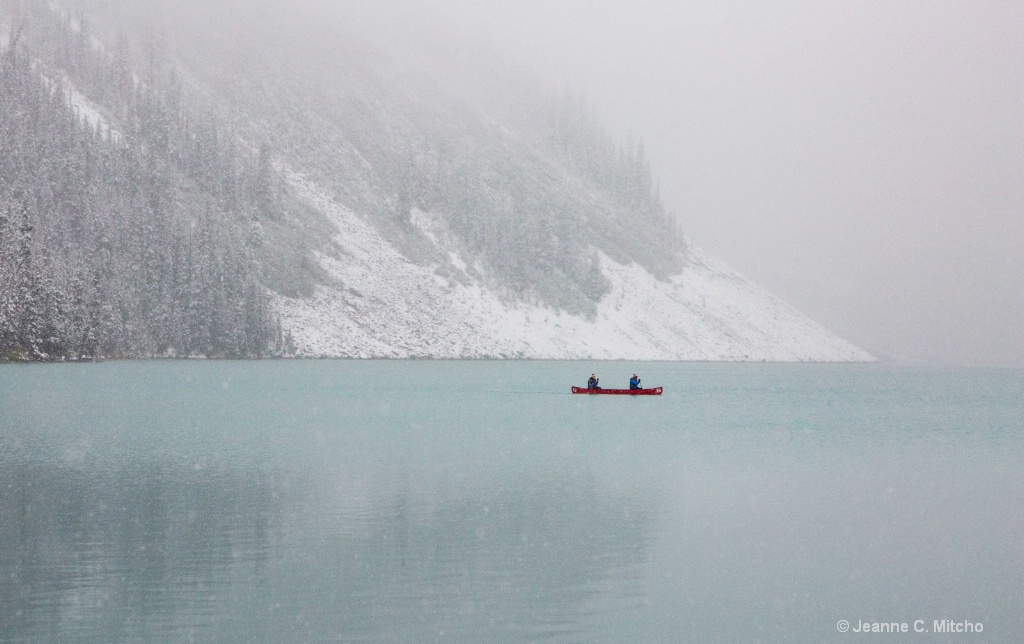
479,502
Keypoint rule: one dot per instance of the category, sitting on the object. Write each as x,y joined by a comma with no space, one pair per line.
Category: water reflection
234,555
124,553
532,561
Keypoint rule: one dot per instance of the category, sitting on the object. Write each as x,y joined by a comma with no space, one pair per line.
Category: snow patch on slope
86,110
381,305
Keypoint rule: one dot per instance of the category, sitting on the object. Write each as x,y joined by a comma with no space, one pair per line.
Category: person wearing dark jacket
634,382
592,383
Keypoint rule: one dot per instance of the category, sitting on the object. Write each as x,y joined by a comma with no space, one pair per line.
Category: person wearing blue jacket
592,383
634,382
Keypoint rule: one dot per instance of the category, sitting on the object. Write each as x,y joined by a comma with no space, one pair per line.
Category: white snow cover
384,306
86,110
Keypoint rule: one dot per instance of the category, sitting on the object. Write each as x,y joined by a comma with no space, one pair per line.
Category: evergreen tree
99,254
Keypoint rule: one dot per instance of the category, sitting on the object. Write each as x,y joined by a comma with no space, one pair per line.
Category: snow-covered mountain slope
436,222
382,305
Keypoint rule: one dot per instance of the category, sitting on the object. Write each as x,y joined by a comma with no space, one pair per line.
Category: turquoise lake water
364,501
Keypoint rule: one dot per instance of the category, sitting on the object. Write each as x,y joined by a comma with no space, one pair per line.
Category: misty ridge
143,210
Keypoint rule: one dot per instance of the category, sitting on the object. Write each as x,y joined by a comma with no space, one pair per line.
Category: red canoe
655,391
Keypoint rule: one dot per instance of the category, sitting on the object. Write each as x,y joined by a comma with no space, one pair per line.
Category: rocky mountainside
380,304
354,200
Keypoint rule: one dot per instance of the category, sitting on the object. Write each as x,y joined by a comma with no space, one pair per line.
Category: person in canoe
634,382
592,383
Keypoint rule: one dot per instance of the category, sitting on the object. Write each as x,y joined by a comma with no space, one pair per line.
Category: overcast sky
863,160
